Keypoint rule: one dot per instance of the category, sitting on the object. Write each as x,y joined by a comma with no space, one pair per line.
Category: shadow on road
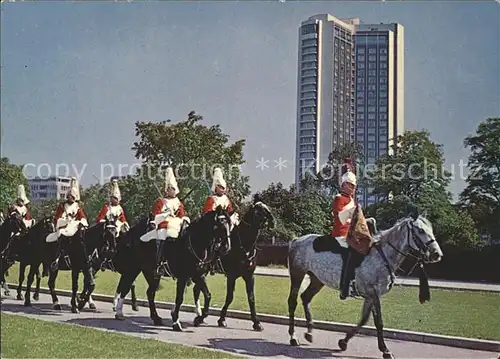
264,348
35,309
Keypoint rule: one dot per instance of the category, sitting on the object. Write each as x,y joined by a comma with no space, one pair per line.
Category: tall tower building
379,92
325,90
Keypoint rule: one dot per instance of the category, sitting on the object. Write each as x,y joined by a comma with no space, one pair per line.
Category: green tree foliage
45,208
11,176
415,176
481,197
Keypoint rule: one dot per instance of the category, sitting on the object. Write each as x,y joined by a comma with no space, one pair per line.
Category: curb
394,334
400,282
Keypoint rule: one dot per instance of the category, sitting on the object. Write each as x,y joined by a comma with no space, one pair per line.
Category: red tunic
213,201
339,229
60,211
102,214
158,209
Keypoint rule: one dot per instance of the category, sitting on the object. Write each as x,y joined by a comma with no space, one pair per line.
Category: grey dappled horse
373,278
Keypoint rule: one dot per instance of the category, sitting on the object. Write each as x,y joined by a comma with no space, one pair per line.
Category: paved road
238,338
447,284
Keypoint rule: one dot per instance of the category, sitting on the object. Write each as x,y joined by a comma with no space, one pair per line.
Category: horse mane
389,233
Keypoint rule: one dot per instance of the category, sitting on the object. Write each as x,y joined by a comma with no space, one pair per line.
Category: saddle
328,244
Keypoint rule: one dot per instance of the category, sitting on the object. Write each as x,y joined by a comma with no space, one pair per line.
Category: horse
373,277
13,226
241,259
75,260
31,249
187,259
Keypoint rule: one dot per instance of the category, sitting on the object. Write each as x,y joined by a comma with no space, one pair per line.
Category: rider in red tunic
114,209
343,208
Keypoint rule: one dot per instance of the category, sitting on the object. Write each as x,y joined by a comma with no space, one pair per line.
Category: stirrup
55,265
67,260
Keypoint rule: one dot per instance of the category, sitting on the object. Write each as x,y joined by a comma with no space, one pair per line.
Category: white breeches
29,222
342,241
173,228
68,229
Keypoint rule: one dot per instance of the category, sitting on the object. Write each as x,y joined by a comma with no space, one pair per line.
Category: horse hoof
177,327
258,327
388,356
135,308
7,293
222,323
56,307
342,344
198,321
157,321
36,297
294,342
75,310
27,303
119,316
19,296
309,337
113,309
92,306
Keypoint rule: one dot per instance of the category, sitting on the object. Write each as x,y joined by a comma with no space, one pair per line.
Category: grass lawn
450,312
33,338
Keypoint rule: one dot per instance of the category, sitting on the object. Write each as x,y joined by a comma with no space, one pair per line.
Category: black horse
188,257
72,251
12,229
241,260
30,253
103,242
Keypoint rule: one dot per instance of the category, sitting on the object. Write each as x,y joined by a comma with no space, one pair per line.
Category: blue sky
76,76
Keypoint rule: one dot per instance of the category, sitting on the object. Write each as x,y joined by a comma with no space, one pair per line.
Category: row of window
372,80
371,123
371,131
371,116
362,73
373,58
372,50
372,65
372,109
371,87
371,94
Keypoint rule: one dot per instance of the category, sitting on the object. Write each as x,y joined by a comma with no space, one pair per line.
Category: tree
330,174
415,163
481,197
11,176
193,150
45,208
414,175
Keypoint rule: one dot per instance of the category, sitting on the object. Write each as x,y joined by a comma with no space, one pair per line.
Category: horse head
16,223
260,214
422,239
221,230
110,232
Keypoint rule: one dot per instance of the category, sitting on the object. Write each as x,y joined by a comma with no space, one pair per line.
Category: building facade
325,90
48,188
350,88
379,93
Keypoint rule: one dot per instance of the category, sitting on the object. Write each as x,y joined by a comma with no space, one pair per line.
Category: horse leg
230,285
196,297
36,295
153,284
134,298
365,315
75,273
88,289
250,288
202,283
296,277
22,270
179,298
52,287
314,287
379,324
29,283
126,281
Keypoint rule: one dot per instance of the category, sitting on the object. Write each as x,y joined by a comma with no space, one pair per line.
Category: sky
77,76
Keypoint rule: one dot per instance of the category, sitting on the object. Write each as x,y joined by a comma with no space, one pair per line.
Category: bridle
415,253
251,253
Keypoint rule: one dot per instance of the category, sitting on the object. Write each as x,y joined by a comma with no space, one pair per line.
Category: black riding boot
159,256
346,275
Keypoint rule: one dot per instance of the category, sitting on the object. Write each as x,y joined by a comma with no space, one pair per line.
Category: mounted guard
113,209
20,206
349,228
68,218
219,198
170,219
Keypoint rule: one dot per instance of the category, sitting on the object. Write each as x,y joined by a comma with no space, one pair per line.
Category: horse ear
413,210
256,198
